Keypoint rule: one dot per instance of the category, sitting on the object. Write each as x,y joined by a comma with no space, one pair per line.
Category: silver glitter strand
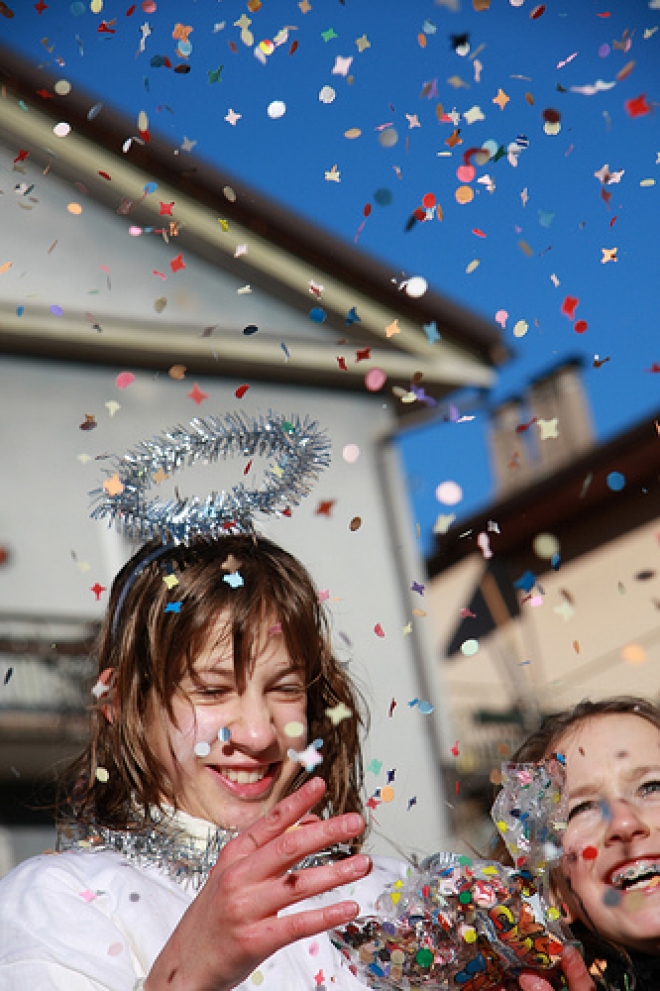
300,449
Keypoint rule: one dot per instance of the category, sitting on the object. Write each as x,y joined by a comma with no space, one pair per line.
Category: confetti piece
378,630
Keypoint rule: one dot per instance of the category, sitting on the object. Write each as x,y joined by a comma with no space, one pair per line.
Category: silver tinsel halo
301,451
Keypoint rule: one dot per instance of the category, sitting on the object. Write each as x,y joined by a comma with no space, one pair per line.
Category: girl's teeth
243,777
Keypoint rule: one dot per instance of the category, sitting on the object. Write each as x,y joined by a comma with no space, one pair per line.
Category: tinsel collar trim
183,848
179,852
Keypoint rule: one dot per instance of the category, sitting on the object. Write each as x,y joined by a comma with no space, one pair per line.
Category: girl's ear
103,689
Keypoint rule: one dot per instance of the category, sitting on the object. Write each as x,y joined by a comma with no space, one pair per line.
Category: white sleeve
58,932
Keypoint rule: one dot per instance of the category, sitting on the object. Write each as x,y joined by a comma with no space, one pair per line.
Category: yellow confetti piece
257,977
75,209
352,133
102,775
647,182
470,935
395,897
170,581
294,729
502,826
553,913
474,264
520,328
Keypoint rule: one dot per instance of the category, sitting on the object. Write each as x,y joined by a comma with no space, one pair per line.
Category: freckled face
612,843
238,780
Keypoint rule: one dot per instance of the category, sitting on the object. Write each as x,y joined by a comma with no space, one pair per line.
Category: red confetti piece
104,175
98,589
131,10
590,853
197,395
293,48
455,751
580,326
479,233
569,305
428,200
177,263
247,467
378,630
637,107
537,12
342,364
240,392
655,368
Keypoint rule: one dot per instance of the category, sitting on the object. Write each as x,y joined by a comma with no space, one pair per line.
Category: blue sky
541,225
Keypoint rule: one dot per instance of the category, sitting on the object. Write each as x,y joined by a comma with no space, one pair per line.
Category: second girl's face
612,842
231,782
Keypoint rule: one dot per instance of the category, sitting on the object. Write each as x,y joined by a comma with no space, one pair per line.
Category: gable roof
575,503
284,252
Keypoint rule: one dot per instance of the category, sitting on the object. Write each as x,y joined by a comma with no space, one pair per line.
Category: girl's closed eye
650,788
592,805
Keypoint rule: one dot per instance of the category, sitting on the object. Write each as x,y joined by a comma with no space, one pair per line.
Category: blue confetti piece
20,310
235,580
150,187
318,314
286,350
224,734
526,582
616,481
173,607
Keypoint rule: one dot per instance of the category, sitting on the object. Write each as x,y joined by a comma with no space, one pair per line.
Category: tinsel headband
299,448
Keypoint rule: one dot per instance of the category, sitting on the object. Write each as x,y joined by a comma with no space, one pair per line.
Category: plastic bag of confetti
460,923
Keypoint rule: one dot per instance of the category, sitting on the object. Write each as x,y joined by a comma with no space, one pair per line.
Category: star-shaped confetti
413,121
392,328
215,74
329,34
565,610
113,485
473,115
170,581
337,714
232,117
501,99
375,766
187,144
173,607
362,43
177,263
341,66
333,174
309,758
363,354
609,255
98,590
197,395
417,587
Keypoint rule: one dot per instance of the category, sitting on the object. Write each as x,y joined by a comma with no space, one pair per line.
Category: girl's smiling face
231,782
612,841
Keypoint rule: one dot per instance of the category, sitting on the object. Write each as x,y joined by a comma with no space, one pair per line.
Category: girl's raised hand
233,924
575,971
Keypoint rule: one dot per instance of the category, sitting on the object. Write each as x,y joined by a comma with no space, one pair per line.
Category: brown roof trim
195,177
573,499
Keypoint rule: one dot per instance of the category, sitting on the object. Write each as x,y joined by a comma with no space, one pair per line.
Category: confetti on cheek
224,734
589,853
294,729
202,749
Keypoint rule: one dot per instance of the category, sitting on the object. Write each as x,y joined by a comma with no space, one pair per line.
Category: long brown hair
149,648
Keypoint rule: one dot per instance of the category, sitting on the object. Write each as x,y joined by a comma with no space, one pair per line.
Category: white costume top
95,921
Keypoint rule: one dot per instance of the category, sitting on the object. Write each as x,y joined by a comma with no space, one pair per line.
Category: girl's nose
252,727
624,822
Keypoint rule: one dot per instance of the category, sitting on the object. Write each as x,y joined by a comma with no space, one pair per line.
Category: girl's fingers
273,895
266,940
575,970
